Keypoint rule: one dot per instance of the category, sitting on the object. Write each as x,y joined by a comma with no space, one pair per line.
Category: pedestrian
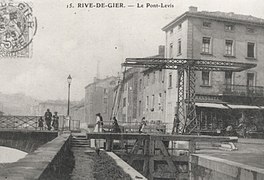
48,116
142,125
96,143
40,123
116,128
55,122
99,122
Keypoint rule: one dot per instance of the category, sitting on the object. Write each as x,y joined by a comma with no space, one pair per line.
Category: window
153,101
250,79
179,46
160,75
205,78
207,24
229,47
154,78
147,103
170,80
171,50
159,101
124,102
250,30
179,26
147,80
140,84
105,100
228,80
139,108
250,50
105,91
206,47
228,77
171,31
229,27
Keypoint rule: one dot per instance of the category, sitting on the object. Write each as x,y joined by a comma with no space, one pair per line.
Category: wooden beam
136,147
160,137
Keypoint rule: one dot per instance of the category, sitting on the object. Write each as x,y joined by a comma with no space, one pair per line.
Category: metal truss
197,64
186,121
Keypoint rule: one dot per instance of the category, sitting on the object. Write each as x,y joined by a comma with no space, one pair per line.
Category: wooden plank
160,137
146,147
192,146
151,168
151,146
165,175
136,147
173,158
202,138
162,148
146,166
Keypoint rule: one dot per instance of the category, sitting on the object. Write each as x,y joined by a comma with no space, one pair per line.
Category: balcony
243,90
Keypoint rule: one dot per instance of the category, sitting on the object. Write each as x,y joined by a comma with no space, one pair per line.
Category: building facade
99,98
142,94
53,105
222,98
77,112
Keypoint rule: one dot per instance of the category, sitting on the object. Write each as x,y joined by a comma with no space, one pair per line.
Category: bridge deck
250,152
161,137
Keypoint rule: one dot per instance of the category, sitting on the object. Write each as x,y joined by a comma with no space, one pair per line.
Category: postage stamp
17,29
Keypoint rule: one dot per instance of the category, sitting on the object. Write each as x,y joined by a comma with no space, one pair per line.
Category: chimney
193,9
161,50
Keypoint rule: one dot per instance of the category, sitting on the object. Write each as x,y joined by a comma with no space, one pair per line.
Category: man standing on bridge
48,116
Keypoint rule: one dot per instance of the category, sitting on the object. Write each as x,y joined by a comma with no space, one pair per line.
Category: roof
101,80
226,106
211,105
78,105
217,15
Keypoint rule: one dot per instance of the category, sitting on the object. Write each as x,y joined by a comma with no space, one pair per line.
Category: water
10,155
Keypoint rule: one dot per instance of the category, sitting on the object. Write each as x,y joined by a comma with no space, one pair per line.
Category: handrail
31,122
243,90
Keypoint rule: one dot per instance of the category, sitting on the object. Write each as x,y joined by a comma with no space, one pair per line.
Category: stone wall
53,160
207,168
25,140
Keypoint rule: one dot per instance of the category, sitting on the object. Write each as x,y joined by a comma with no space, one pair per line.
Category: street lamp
69,79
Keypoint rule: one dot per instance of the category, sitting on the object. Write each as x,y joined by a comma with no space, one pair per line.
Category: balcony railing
243,90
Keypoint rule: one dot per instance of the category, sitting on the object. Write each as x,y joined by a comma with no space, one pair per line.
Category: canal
10,155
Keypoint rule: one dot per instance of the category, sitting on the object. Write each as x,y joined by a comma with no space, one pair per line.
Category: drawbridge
186,121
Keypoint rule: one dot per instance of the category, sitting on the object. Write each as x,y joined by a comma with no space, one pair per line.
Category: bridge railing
19,122
31,122
133,127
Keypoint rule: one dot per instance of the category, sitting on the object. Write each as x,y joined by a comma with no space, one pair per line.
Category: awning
211,105
233,106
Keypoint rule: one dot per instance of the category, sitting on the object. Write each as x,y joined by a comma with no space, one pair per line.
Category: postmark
18,26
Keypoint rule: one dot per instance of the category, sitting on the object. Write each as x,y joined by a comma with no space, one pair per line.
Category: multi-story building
222,98
99,98
154,91
77,113
126,96
53,105
142,94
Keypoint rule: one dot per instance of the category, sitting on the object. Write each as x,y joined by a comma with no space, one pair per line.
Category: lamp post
69,79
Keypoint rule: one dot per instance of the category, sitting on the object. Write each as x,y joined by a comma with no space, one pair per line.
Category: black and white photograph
131,90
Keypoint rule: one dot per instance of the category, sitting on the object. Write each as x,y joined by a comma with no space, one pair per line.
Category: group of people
50,120
115,126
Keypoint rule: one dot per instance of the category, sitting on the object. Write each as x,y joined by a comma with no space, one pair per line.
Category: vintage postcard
149,89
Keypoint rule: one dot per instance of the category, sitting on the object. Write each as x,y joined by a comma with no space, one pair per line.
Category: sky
73,41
